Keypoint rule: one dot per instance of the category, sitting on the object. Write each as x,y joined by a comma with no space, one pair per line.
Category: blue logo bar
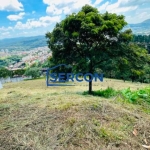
52,78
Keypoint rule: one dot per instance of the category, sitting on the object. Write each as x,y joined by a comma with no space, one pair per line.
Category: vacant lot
36,117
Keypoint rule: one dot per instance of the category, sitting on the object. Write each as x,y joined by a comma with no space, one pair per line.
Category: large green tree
87,39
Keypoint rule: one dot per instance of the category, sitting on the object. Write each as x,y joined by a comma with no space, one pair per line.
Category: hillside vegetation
36,117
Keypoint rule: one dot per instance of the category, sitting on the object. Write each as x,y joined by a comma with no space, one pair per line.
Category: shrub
34,72
4,72
107,93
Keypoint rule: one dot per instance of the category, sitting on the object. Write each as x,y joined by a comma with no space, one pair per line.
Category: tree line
142,41
141,38
34,70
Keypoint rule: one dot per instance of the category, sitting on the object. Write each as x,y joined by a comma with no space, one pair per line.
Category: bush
107,93
4,72
34,72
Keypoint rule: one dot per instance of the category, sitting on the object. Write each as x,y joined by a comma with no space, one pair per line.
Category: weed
137,97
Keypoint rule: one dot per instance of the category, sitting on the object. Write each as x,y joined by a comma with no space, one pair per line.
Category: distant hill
147,21
23,43
27,43
140,28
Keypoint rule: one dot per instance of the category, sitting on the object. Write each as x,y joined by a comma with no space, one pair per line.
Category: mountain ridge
27,43
146,21
142,28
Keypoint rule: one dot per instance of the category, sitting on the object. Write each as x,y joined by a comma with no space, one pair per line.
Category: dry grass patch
35,117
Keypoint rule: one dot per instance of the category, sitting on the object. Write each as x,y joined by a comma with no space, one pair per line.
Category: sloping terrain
36,117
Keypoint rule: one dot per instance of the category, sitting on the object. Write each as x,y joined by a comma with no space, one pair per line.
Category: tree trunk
90,85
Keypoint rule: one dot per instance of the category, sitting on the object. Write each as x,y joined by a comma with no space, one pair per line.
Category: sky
19,18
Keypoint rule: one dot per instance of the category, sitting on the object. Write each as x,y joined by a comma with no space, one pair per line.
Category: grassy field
36,117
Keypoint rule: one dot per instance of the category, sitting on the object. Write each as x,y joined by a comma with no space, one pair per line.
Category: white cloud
122,5
49,19
128,8
138,17
103,7
41,22
11,5
143,15
132,2
6,28
56,7
58,2
52,9
67,10
30,27
114,6
124,9
97,2
78,4
16,17
5,33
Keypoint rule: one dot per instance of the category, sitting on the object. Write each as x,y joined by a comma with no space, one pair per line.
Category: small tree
33,72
